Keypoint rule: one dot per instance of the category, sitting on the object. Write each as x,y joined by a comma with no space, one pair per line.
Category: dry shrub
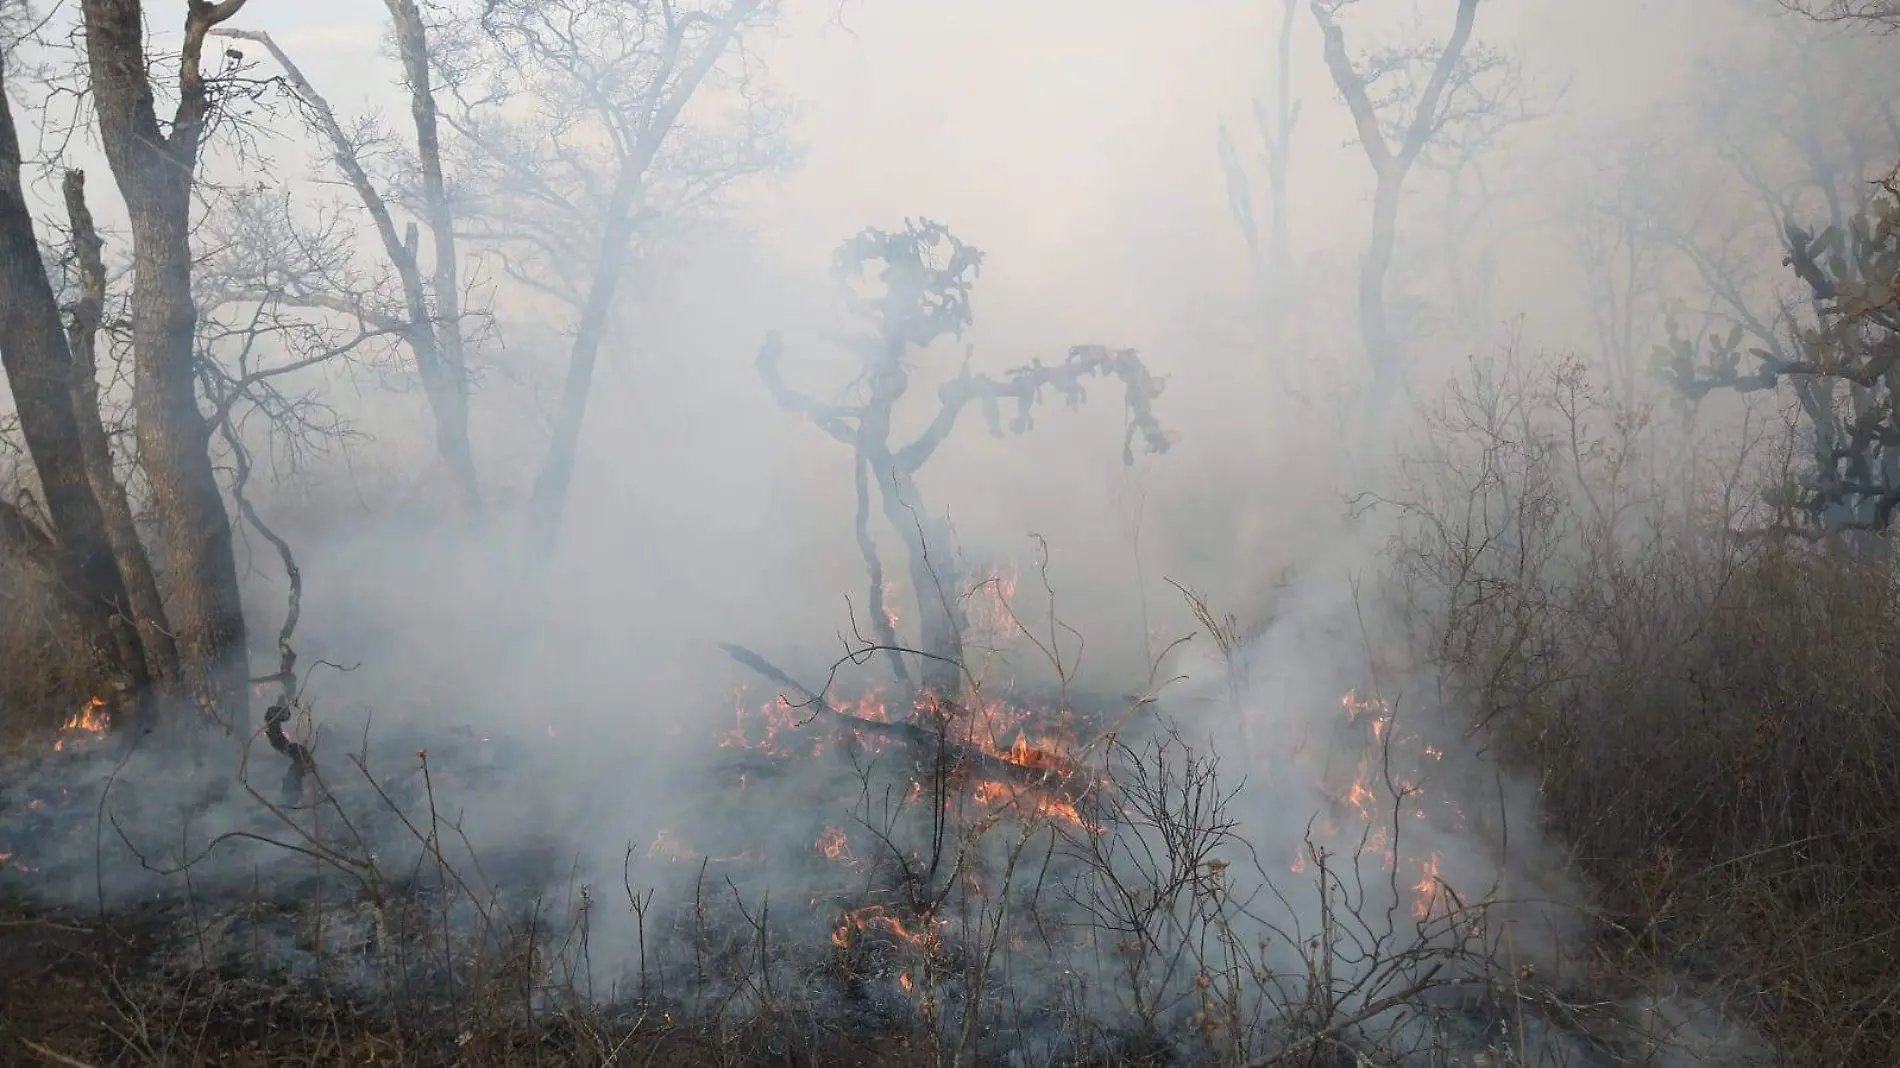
1710,711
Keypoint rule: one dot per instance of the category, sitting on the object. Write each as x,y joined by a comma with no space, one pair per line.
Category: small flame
920,937
833,845
904,981
990,792
91,720
1361,797
1426,889
667,844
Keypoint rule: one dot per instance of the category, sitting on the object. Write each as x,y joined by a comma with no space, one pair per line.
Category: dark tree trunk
135,566
39,371
154,169
1382,349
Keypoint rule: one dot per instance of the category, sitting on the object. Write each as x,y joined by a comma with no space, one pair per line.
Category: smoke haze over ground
575,710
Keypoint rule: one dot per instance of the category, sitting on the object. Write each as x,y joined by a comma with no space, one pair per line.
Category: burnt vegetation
1588,762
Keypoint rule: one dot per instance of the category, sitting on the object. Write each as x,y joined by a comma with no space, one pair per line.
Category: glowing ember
904,981
875,918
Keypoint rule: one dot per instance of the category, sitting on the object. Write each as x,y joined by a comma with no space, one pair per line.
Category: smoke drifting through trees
1022,797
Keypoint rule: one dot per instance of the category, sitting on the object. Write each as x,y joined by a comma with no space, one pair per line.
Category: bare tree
926,274
1882,16
575,143
41,374
1392,144
428,313
155,166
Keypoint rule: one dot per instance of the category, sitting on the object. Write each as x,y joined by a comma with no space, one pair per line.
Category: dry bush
1710,710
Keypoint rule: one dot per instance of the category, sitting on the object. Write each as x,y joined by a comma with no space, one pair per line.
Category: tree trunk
930,558
1390,163
931,562
39,369
154,171
1381,347
548,501
670,92
451,402
135,566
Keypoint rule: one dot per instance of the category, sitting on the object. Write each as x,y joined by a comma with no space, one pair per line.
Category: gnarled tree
1394,129
1843,365
925,273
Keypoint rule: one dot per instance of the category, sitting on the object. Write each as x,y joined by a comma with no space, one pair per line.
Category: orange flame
1426,889
91,720
834,846
1361,797
874,917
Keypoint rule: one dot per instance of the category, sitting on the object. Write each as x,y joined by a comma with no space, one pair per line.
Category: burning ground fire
1372,718
763,727
84,725
80,729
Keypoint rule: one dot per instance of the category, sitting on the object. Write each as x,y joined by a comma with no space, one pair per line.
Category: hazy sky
1075,141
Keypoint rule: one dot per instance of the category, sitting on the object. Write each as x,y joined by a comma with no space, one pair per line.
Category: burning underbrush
847,877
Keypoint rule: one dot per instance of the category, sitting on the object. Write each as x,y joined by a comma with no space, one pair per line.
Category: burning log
1037,770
